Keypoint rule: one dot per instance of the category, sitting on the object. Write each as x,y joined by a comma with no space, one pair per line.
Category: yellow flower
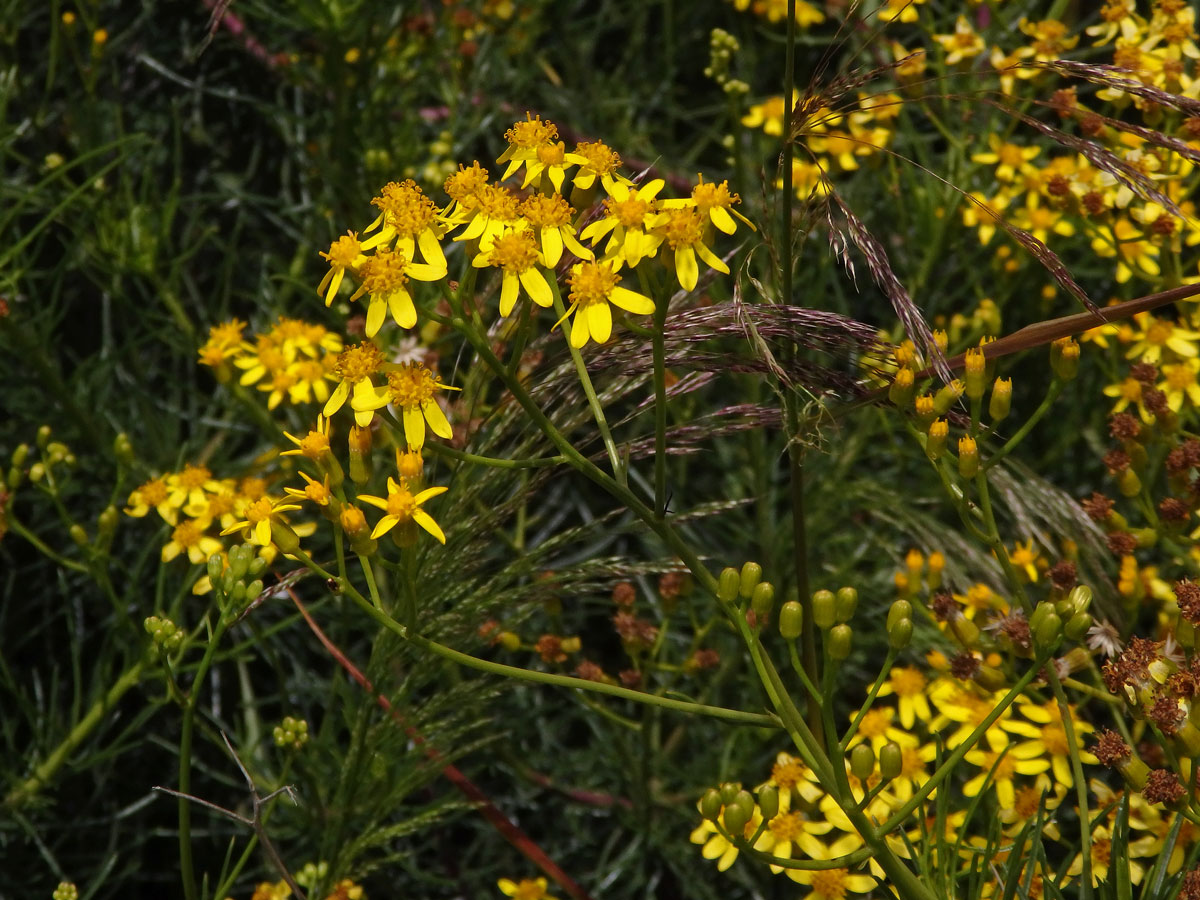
403,507
1051,38
965,707
314,445
768,115
1181,383
1030,800
1127,243
1025,559
259,515
683,232
410,387
963,44
593,286
834,884
1127,392
1009,159
462,188
316,491
549,215
599,163
492,209
1157,334
344,253
876,728
356,366
384,280
153,494
998,768
899,11
908,684
980,598
515,252
189,537
525,889
793,779
1047,737
223,341
1101,858
187,487
627,216
411,219
788,830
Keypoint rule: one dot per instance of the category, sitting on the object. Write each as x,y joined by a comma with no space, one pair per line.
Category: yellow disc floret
591,282
384,272
405,207
412,386
532,132
682,228
546,211
358,362
515,251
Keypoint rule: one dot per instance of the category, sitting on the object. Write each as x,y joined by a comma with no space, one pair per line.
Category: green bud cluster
66,891
311,874
291,733
167,636
721,49
239,583
1046,626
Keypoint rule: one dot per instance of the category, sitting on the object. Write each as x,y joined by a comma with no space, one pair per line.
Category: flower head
403,508
593,286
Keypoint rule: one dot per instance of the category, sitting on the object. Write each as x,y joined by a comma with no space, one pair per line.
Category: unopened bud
710,804
968,457
935,441
862,761
360,454
1047,634
729,790
1077,626
966,631
768,801
948,396
900,633
37,472
1064,358
923,407
824,606
571,645
1000,403
43,437
509,641
20,455
901,391
1128,483
791,620
900,609
216,566
239,560
1080,598
847,603
727,585
839,638
762,600
78,534
354,523
989,678
975,369
283,537
123,449
750,577
891,760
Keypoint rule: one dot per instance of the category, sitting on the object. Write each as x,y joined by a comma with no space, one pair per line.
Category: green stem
1081,796
541,463
1056,387
660,407
585,380
871,695
186,869
84,727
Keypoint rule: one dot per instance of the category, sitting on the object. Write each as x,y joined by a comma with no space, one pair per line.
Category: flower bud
1080,598
975,368
862,761
901,391
937,562
935,441
216,566
847,603
1077,626
791,620
762,600
968,457
948,396
1064,358
989,678
123,449
891,760
750,577
923,407
283,537
710,804
43,437
839,638
1128,483
900,633
824,606
900,609
20,455
1039,614
768,801
735,819
37,472
360,454
354,523
258,565
1000,403
729,790
78,534
1048,632
509,641
571,645
239,560
727,585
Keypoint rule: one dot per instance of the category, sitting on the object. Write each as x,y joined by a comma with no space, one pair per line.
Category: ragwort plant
983,777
